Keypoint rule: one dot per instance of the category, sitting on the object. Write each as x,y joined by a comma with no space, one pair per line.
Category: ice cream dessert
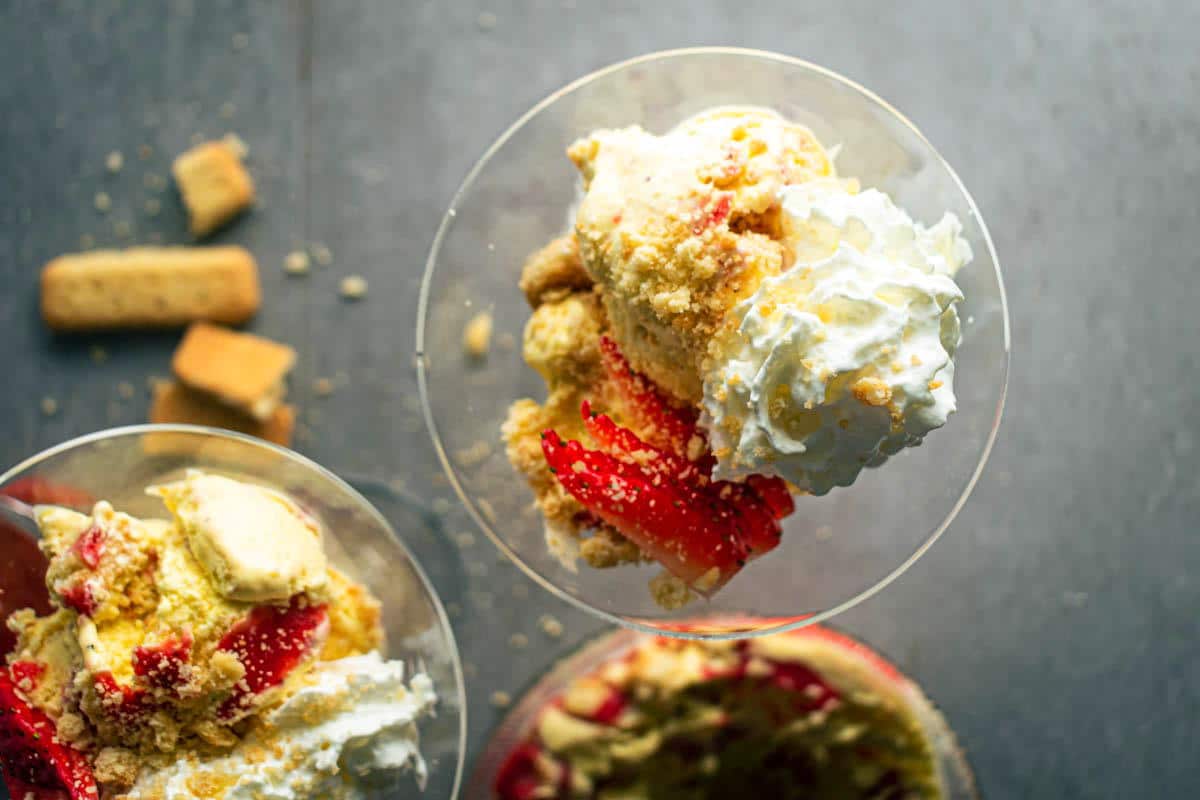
810,714
214,653
728,324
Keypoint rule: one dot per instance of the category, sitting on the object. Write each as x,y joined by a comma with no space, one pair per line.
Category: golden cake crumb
477,335
872,391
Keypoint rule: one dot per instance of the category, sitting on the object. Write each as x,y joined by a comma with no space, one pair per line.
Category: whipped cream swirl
351,726
848,356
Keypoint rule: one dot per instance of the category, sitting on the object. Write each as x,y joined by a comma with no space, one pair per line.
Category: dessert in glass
206,634
761,287
807,713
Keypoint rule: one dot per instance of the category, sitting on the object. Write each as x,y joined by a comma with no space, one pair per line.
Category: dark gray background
1056,623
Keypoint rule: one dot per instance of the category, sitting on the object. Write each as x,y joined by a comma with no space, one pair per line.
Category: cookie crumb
102,202
823,533
99,354
125,390
669,591
154,181
518,641
321,254
487,21
122,229
240,41
114,161
145,151
464,538
477,335
227,110
441,505
237,144
353,287
550,626
152,207
296,263
501,699
49,406
323,387
475,454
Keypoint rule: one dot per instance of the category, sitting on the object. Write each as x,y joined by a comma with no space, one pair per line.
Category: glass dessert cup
836,549
118,464
953,771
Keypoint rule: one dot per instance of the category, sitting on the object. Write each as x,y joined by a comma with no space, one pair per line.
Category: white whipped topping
352,726
847,357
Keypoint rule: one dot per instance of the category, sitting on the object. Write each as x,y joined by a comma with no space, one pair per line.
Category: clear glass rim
423,312
220,433
608,645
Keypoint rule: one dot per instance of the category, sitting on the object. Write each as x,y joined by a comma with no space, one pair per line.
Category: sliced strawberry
624,444
127,704
664,423
90,546
520,778
775,493
814,692
609,711
682,537
758,528
164,664
32,759
717,214
26,674
80,596
271,642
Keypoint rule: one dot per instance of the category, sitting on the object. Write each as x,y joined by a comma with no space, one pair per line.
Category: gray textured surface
1056,623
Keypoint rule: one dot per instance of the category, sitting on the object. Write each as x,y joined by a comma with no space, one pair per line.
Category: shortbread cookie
175,403
149,287
215,185
239,369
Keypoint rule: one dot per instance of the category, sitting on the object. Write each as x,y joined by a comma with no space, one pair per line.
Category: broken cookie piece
214,184
175,403
241,370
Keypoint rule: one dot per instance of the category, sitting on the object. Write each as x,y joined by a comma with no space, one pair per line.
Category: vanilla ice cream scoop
255,543
846,357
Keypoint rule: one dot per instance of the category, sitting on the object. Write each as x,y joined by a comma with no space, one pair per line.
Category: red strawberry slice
659,498
675,498
610,710
26,674
520,779
164,664
271,642
665,424
80,596
688,540
717,214
90,546
774,492
127,704
32,760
